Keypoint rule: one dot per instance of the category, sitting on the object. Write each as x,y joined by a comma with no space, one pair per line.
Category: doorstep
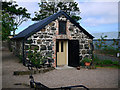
64,67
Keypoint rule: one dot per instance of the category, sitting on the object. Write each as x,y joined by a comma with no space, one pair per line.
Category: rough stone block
34,47
43,40
46,36
49,40
71,28
89,51
53,28
89,41
39,41
49,47
52,24
48,53
77,30
43,30
81,47
26,47
41,36
86,56
47,43
72,34
84,52
35,36
83,41
29,41
86,46
51,34
43,47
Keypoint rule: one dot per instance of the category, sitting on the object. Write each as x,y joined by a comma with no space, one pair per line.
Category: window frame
60,28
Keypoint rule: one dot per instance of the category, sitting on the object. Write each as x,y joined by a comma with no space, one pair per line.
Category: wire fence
108,42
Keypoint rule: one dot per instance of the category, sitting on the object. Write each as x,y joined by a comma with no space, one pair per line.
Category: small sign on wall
118,54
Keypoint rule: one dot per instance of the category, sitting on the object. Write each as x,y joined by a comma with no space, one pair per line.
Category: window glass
61,46
62,27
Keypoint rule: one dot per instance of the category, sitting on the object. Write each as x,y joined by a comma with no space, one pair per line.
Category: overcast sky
97,15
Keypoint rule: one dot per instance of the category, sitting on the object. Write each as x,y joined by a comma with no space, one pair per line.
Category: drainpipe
23,58
92,50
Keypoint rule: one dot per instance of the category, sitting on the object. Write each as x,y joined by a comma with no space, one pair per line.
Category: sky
98,16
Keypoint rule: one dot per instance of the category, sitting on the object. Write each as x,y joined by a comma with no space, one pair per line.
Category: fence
108,43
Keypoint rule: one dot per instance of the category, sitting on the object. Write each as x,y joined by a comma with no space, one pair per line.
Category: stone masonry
45,39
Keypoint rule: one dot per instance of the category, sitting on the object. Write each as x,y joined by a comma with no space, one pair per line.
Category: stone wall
16,46
45,39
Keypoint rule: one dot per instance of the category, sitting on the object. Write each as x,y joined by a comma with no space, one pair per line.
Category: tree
18,14
36,58
101,42
49,8
7,25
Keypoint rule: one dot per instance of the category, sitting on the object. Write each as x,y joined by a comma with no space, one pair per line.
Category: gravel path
95,78
10,63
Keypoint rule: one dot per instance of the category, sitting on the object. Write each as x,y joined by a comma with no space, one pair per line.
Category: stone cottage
58,35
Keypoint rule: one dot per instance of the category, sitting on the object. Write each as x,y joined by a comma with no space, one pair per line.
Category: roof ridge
39,25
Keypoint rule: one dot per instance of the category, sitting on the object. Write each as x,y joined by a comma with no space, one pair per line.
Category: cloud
97,0
95,13
98,8
97,21
26,0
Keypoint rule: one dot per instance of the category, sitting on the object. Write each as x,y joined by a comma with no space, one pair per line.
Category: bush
104,62
10,49
87,60
37,58
109,51
82,63
20,57
107,62
109,48
115,63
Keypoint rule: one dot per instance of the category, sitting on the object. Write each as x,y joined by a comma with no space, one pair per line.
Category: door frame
67,49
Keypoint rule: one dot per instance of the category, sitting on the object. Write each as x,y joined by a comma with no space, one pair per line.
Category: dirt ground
94,78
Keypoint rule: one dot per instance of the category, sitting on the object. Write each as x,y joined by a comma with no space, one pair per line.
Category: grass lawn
105,63
107,66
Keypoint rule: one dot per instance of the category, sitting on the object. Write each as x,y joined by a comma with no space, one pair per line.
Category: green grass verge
106,63
118,67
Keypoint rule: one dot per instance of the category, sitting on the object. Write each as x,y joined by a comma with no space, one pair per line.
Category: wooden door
62,52
73,53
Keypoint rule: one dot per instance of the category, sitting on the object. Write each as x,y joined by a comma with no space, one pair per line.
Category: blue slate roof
41,24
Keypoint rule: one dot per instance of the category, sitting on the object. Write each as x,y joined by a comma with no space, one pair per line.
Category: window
61,46
62,27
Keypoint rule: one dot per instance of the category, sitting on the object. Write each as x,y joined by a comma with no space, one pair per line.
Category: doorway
73,53
62,52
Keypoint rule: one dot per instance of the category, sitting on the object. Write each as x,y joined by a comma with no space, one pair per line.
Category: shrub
20,57
101,42
98,62
115,63
82,63
107,62
10,49
37,58
109,48
87,60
